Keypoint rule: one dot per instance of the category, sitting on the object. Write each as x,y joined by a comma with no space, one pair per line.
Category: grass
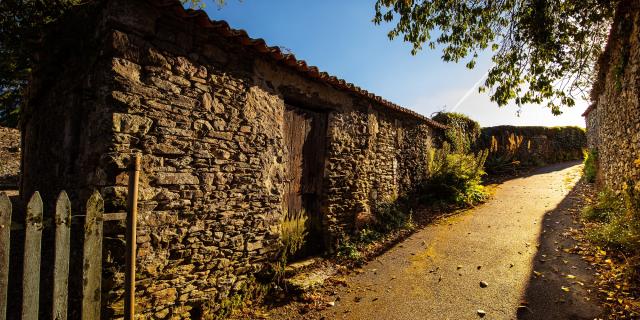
293,234
590,165
606,207
614,229
615,224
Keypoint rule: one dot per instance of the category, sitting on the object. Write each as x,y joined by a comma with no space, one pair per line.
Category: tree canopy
21,26
544,51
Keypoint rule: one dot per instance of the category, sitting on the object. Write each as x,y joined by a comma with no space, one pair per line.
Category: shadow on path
560,285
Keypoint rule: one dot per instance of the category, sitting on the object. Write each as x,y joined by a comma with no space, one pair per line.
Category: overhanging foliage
544,51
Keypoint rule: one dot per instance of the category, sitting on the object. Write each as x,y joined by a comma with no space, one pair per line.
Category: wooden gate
61,225
305,139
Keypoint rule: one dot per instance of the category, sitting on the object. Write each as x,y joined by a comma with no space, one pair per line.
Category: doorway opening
305,139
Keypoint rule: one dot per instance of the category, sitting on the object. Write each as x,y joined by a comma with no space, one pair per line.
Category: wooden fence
34,225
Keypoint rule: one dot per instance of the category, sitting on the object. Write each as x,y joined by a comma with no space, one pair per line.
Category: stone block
176,178
131,124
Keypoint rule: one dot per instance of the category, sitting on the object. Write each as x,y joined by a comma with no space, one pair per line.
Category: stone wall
205,107
9,158
531,146
613,122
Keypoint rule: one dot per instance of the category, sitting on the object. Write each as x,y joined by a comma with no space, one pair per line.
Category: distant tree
22,26
544,51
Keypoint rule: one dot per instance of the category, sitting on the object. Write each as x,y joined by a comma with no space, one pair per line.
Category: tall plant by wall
590,162
293,231
455,171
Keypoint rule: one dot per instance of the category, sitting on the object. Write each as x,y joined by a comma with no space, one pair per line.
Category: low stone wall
216,119
532,146
9,158
613,121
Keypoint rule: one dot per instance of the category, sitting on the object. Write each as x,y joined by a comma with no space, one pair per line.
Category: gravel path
513,244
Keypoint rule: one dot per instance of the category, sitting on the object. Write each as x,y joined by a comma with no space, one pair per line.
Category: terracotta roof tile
259,45
589,109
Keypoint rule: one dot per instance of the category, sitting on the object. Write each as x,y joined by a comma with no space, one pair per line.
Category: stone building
233,135
613,120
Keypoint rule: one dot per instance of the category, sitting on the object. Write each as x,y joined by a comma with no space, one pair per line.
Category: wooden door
305,140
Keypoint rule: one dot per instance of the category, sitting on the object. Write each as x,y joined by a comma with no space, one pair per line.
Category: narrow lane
437,272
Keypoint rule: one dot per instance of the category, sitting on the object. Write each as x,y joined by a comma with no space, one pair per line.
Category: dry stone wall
531,146
613,122
9,158
206,111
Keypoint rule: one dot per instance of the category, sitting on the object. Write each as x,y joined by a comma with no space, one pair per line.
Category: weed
293,234
367,236
389,216
251,290
607,205
229,305
294,231
349,250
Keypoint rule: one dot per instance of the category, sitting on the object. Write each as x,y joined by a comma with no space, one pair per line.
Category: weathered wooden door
305,140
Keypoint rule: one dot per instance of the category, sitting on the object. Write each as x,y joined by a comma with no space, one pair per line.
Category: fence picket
5,230
32,246
92,263
61,263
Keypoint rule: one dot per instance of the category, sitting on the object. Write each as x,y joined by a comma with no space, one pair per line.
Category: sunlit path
437,273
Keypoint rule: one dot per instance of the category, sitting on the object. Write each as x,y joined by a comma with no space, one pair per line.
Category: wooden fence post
130,259
61,264
92,263
5,231
32,248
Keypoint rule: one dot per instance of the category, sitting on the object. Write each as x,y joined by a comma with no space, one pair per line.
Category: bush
389,216
349,250
455,177
462,132
590,165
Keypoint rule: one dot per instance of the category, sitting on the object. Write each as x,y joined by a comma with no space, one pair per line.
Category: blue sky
338,37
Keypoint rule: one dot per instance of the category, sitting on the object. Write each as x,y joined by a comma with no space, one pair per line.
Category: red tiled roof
589,109
259,45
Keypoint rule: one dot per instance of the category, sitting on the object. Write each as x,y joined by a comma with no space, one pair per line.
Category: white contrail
466,95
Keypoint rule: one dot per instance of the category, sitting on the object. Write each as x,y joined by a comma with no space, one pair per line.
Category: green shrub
462,132
455,177
590,165
389,216
349,250
367,236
